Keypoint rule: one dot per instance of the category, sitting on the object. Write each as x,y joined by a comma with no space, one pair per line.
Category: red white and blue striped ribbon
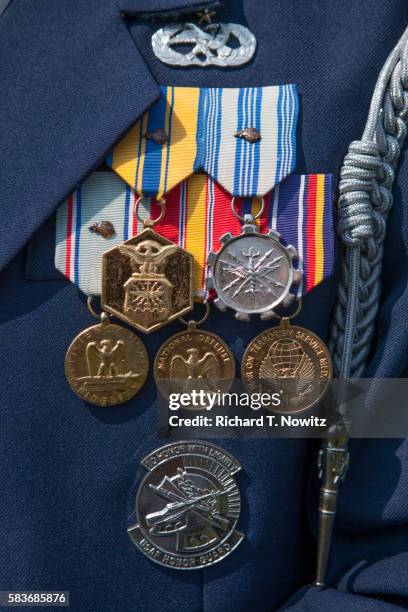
197,213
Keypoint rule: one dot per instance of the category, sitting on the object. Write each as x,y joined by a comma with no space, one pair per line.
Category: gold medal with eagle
194,360
147,281
106,364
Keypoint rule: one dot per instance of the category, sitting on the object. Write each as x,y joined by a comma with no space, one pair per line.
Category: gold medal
194,360
106,364
147,281
291,361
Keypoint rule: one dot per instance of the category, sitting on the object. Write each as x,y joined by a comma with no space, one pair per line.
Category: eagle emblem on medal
195,371
194,360
147,281
106,364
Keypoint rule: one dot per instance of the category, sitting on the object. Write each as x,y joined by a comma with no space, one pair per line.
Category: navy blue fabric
62,63
72,81
3,5
165,8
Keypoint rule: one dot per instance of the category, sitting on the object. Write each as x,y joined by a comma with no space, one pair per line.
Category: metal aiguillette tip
326,521
333,464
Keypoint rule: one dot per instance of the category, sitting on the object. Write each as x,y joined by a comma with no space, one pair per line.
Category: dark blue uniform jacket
74,77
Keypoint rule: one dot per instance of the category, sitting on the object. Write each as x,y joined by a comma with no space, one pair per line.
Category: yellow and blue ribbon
201,126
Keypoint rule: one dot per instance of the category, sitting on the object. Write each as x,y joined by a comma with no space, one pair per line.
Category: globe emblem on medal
291,361
288,368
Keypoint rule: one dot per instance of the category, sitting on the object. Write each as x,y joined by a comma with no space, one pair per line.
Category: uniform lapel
3,5
72,82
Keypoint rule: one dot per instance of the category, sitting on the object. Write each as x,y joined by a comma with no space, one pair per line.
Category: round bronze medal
106,364
291,361
194,360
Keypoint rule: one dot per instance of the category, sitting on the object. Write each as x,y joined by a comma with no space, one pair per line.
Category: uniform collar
73,82
166,8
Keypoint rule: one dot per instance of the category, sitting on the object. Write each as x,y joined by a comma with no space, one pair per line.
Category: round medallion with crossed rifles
187,506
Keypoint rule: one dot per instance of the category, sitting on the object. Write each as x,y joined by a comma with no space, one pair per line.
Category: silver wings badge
188,44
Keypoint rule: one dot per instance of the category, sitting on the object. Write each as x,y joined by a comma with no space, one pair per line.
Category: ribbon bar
200,127
197,213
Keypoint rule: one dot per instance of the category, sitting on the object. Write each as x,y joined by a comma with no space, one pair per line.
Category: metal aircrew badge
147,281
189,44
188,506
106,364
252,273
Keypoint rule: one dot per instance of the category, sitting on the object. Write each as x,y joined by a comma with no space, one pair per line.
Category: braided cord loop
365,200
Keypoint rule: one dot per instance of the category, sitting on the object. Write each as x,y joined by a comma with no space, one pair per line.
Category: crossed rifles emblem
185,501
